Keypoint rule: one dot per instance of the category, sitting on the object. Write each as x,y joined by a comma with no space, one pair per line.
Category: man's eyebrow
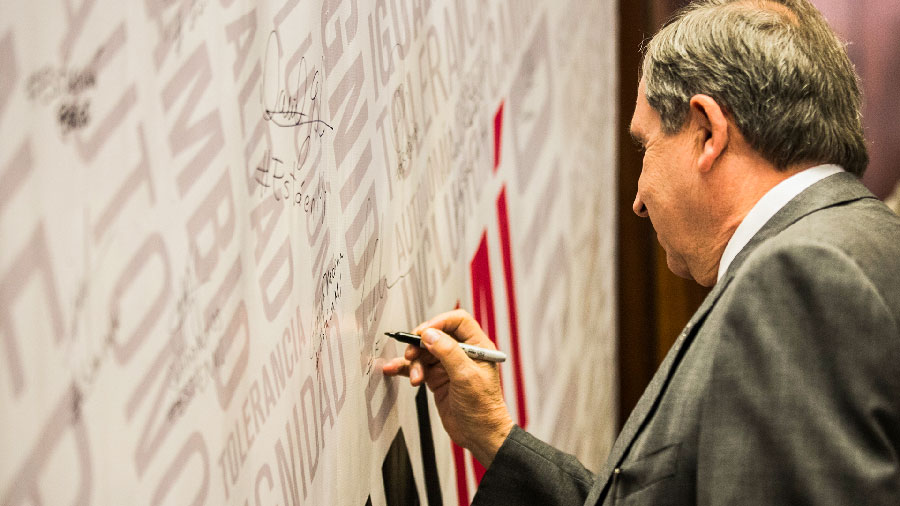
637,138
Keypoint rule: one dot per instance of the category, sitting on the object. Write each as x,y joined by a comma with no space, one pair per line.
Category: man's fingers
460,325
416,373
418,353
415,353
412,352
447,350
415,370
449,322
396,367
436,377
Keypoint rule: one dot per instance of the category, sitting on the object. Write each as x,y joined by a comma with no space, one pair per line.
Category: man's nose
638,207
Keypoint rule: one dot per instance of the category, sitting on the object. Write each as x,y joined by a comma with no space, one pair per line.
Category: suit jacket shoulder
804,389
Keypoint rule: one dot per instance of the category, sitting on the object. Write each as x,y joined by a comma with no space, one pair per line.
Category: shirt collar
767,206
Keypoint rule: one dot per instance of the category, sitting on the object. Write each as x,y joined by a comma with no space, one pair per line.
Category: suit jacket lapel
833,190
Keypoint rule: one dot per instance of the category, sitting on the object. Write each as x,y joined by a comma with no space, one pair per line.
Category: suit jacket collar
834,190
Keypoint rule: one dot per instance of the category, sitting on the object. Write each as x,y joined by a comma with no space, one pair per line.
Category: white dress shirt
768,205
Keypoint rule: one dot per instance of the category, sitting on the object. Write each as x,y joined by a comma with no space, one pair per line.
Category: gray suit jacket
783,389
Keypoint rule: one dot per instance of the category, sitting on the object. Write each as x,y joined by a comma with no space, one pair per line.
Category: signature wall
210,212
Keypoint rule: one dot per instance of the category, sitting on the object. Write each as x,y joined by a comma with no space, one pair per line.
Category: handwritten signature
48,85
288,185
183,22
328,293
406,136
193,366
302,105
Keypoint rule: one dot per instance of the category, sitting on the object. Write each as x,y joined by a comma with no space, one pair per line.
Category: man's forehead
635,128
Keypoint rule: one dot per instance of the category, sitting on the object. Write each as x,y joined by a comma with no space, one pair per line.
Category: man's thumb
447,350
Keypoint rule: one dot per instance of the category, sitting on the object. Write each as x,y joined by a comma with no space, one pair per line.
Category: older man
784,388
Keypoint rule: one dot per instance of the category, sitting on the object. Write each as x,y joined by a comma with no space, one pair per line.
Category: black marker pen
474,352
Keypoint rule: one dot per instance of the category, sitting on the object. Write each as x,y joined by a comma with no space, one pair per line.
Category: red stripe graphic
483,308
503,218
498,131
482,292
479,469
484,312
459,462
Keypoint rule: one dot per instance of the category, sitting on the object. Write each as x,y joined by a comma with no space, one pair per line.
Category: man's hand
467,392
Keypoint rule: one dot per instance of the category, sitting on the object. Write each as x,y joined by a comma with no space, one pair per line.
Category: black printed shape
426,442
397,473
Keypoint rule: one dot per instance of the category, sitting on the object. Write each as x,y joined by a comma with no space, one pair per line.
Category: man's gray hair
777,69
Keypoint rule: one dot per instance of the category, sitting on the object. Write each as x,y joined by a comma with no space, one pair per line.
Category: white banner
210,212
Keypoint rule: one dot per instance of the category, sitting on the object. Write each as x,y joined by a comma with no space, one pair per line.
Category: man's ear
712,129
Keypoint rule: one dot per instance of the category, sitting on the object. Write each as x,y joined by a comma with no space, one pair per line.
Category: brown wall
654,304
871,27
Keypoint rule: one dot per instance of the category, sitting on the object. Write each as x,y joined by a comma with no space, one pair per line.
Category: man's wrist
486,451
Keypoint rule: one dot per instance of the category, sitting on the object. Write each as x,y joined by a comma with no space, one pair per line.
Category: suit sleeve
804,404
527,471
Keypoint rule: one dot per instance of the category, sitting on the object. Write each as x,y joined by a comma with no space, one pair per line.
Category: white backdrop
210,211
